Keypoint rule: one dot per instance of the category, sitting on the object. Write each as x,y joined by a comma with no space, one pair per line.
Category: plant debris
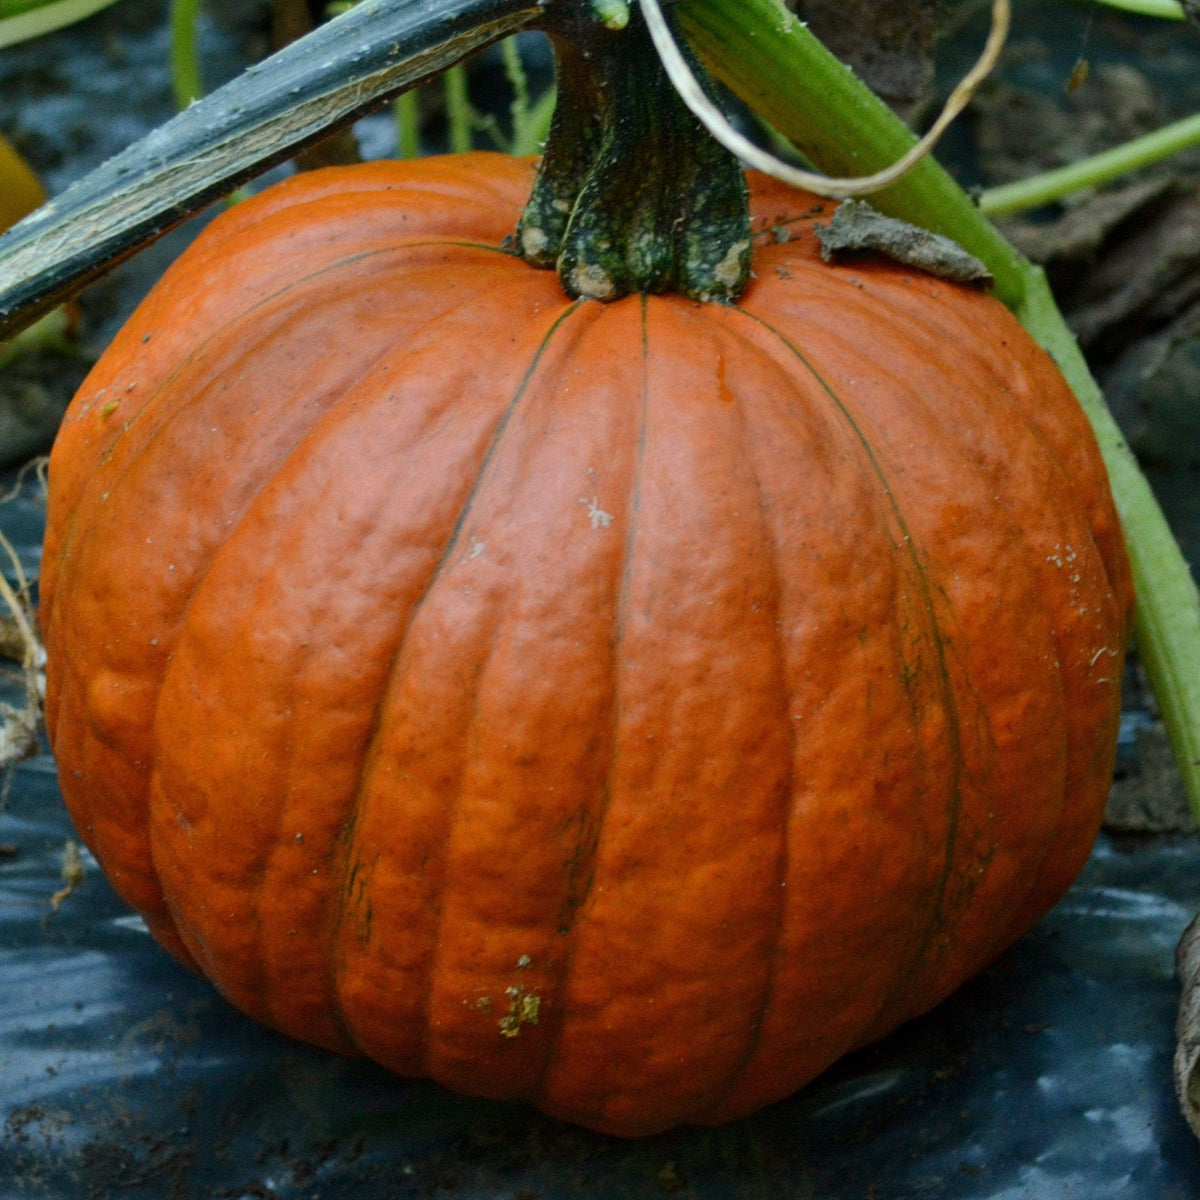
857,228
20,728
1187,1028
1149,796
73,873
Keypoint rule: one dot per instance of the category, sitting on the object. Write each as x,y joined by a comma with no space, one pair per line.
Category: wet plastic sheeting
123,1075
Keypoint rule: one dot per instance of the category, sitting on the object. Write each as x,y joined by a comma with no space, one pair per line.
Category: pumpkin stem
633,193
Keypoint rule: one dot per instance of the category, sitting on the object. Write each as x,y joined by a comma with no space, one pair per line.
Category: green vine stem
459,117
185,65
530,118
531,133
1093,171
770,59
1148,8
407,107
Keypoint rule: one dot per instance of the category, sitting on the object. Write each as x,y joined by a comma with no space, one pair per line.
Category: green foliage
1148,8
21,20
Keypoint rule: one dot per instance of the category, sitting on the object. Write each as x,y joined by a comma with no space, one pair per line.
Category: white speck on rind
598,517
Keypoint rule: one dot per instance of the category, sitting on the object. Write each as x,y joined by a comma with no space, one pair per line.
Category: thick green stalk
768,58
763,54
604,213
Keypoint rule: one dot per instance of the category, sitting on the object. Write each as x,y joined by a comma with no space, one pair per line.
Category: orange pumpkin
633,706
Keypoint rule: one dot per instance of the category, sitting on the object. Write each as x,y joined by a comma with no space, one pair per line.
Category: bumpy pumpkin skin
630,707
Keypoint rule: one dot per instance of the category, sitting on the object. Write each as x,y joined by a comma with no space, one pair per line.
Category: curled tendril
714,121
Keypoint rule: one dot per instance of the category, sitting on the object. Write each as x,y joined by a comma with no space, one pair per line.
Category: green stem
518,81
1092,171
458,109
536,127
19,8
632,194
408,124
22,20
185,66
530,118
780,70
788,78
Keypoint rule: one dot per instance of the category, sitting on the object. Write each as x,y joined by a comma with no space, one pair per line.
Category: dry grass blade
19,641
73,874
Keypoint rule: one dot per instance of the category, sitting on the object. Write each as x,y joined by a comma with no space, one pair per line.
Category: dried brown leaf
857,228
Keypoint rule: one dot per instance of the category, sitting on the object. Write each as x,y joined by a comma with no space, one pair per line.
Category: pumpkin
630,707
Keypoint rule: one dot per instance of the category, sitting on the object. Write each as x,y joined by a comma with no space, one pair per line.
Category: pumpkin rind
630,707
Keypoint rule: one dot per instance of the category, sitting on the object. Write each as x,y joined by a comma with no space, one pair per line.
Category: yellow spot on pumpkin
523,1009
